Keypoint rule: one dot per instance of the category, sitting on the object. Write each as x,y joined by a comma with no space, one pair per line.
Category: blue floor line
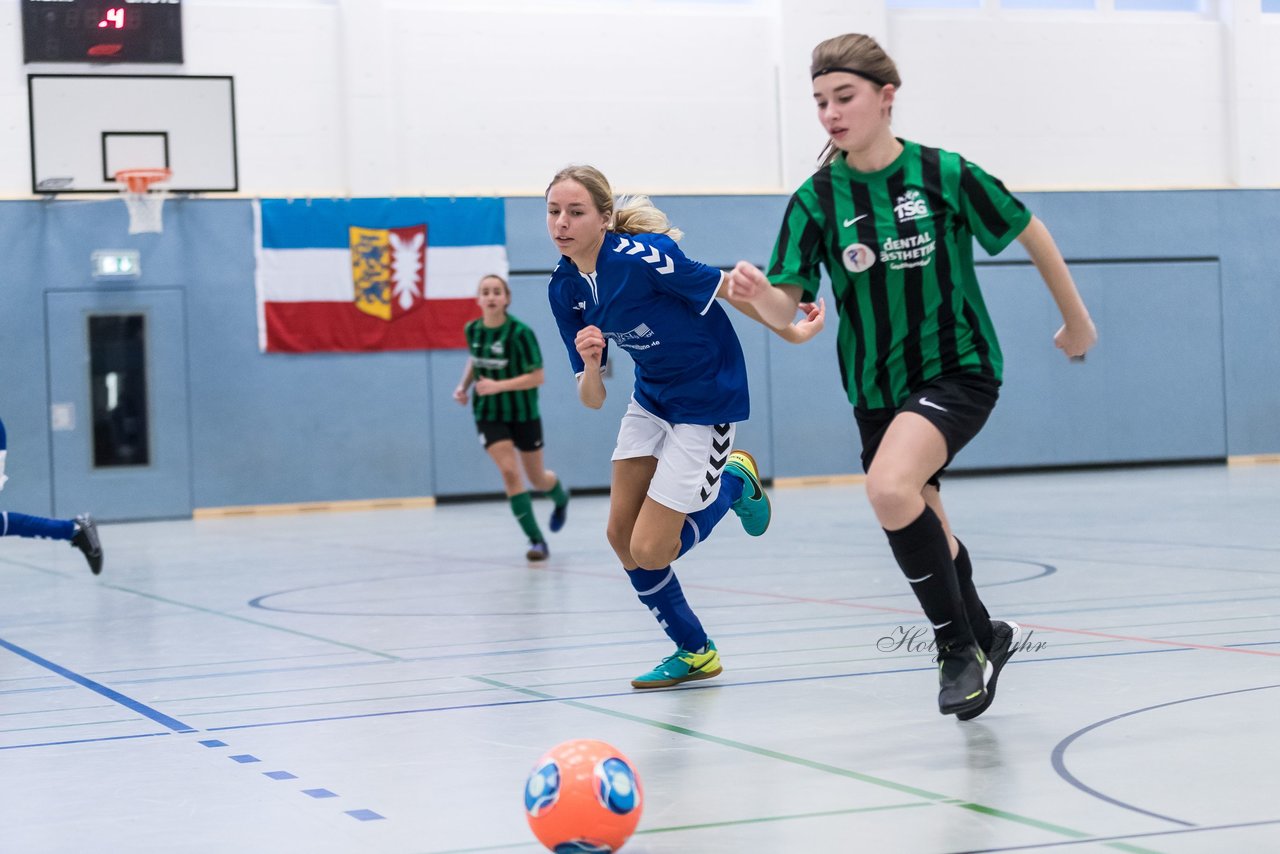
98,688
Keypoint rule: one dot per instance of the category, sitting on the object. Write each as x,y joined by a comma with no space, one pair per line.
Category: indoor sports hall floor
383,681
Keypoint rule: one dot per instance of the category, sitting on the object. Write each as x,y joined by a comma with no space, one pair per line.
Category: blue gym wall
1182,288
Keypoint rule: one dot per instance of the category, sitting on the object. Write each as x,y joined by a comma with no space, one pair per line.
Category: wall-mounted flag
351,275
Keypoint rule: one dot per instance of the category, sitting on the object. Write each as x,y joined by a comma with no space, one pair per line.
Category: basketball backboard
86,127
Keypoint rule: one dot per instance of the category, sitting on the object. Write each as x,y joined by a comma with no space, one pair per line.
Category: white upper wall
1079,104
499,102
387,97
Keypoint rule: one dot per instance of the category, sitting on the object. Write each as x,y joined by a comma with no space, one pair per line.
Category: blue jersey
658,305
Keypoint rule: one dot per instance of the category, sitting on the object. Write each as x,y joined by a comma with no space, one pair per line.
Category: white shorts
691,457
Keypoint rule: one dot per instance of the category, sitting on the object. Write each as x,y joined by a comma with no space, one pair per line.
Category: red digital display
114,18
102,31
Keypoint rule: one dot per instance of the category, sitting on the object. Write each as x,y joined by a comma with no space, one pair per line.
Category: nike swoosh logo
924,401
849,222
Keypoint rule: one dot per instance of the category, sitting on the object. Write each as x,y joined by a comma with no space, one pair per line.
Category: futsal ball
583,796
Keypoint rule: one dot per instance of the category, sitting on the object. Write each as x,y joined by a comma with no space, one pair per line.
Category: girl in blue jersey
81,531
623,279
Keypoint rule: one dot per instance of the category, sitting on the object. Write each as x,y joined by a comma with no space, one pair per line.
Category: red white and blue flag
359,275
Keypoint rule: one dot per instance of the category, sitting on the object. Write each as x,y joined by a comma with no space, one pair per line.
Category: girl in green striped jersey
506,370
893,223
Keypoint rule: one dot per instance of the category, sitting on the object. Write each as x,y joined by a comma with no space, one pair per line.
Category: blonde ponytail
630,215
637,215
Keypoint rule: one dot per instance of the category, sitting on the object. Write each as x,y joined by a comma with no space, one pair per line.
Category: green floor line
793,817
817,766
211,611
714,824
257,623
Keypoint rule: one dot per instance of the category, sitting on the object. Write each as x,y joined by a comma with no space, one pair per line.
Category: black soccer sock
924,555
979,619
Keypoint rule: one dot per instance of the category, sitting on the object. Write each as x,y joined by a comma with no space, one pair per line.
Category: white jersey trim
707,307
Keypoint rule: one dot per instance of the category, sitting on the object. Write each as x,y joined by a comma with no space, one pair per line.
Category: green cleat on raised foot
752,505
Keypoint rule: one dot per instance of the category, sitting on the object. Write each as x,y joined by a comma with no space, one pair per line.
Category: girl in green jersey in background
893,223
506,369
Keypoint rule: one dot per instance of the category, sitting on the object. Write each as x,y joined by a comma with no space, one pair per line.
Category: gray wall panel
1151,390
813,432
1249,223
1185,369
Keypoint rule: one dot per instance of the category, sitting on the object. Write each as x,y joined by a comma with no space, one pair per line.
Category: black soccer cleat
86,540
963,671
1004,643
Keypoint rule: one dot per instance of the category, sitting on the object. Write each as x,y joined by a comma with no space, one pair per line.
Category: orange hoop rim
140,180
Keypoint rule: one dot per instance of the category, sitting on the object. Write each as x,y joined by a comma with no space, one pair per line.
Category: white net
146,211
144,200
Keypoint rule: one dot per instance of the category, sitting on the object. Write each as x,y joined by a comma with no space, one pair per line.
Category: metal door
119,413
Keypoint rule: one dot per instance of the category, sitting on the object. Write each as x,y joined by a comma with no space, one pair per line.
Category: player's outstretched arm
813,321
1077,334
774,306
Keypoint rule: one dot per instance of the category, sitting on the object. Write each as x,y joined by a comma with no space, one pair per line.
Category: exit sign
117,264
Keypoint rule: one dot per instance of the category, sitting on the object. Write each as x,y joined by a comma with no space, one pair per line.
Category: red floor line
916,613
1156,641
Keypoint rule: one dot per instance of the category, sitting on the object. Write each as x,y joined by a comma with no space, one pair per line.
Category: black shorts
958,405
527,435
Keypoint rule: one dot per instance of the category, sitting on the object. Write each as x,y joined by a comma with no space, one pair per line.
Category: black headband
864,75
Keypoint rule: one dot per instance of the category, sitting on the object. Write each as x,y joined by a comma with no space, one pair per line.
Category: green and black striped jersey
898,247
500,353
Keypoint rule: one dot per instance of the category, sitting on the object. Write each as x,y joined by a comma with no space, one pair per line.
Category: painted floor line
98,688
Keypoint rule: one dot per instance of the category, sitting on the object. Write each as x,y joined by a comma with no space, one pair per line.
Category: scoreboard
102,31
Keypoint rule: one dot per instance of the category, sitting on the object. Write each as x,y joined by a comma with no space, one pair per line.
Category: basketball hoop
144,201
